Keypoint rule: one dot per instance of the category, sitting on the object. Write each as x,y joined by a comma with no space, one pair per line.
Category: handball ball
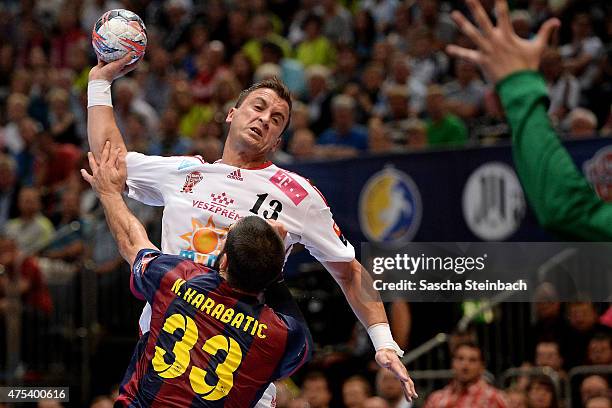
118,32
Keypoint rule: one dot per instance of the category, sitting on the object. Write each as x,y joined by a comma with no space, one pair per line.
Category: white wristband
380,334
99,93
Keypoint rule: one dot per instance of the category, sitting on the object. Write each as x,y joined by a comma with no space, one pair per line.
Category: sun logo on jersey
205,241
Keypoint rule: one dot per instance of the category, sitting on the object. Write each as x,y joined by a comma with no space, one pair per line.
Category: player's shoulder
282,177
176,163
281,320
163,262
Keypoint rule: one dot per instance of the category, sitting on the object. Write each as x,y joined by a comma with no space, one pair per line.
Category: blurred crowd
368,77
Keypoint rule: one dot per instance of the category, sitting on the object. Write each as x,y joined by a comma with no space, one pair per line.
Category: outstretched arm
558,193
101,125
358,289
107,178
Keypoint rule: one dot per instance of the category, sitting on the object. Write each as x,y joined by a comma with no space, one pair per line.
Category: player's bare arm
101,125
107,178
357,286
500,51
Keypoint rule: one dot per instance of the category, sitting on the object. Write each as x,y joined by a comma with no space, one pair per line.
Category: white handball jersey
203,199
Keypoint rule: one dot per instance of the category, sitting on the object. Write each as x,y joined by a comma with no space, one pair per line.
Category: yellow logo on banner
389,207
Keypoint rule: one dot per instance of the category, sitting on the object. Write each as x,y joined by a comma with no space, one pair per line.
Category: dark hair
274,84
312,18
601,336
361,380
469,344
274,48
255,255
547,383
314,376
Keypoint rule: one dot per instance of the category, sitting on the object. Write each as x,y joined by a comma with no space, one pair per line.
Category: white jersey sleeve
321,236
146,175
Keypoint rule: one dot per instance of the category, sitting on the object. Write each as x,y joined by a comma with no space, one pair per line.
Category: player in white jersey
203,199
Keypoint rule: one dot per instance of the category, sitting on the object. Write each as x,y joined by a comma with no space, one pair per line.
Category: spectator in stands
299,121
398,113
563,87
191,113
315,49
300,402
376,402
427,64
344,131
465,95
593,386
62,121
227,90
599,402
379,137
56,166
541,393
364,34
68,244
549,321
16,110
210,65
129,100
209,148
443,128
346,70
337,22
136,137
262,30
355,391
521,23
315,390
22,274
29,130
169,141
388,388
548,354
31,230
267,71
102,402
49,404
371,93
285,392
584,324
581,55
416,134
382,11
581,123
178,15
319,97
242,69
8,189
600,349
399,75
157,86
516,398
467,388
431,16
292,71
302,145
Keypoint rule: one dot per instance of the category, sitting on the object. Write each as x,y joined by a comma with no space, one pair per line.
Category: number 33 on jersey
208,345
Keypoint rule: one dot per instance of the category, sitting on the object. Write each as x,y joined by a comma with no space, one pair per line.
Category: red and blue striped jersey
209,346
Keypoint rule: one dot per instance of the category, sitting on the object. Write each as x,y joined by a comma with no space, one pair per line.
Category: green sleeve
557,191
